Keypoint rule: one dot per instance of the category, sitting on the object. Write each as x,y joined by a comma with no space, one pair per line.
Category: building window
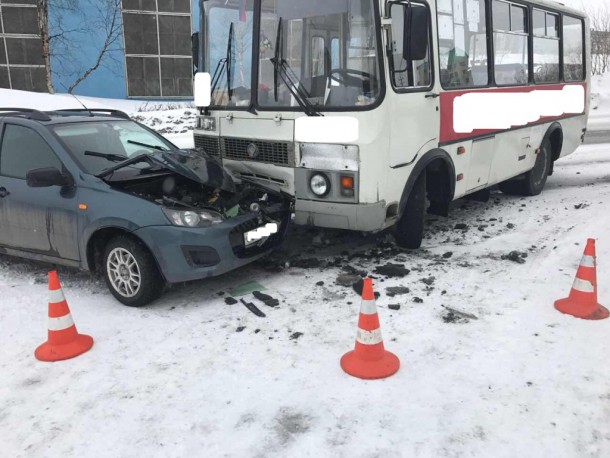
158,55
546,47
511,56
21,64
463,43
573,49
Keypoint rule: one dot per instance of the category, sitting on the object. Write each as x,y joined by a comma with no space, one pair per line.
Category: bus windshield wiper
224,65
281,69
109,156
146,145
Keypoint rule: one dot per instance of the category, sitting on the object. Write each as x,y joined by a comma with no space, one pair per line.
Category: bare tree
75,24
599,18
43,27
109,22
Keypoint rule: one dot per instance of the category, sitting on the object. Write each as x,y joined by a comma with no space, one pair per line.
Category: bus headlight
207,123
319,184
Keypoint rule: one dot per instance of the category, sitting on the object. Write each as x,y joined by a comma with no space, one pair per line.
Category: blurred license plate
260,233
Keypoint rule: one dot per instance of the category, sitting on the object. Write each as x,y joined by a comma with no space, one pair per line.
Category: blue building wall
195,15
108,81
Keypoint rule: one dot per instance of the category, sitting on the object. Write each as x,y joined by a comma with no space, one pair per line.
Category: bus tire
409,231
533,181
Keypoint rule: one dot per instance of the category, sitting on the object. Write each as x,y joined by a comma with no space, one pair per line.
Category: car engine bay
172,190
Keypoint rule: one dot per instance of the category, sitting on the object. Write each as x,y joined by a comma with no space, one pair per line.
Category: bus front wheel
409,231
533,182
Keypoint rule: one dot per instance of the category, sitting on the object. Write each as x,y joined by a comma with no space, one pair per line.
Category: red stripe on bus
447,133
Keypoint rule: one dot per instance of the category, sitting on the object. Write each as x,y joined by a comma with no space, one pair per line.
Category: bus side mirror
202,90
195,50
416,33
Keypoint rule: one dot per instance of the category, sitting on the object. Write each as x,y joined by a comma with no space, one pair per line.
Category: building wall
82,50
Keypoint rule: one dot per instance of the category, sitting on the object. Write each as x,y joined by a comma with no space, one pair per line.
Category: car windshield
315,53
99,145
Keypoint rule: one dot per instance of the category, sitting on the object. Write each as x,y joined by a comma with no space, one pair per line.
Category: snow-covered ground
193,376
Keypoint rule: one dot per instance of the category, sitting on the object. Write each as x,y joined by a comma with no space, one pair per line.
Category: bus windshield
312,55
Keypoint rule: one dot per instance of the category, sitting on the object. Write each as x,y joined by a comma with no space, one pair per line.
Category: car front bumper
187,254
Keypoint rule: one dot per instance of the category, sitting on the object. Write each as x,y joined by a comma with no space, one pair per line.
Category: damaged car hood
197,167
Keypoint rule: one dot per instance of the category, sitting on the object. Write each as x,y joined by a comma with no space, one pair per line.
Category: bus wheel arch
433,180
440,179
554,135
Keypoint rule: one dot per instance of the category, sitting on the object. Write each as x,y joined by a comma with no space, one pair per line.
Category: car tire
131,272
409,231
534,181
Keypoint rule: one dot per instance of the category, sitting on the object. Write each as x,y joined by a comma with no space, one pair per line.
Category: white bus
374,112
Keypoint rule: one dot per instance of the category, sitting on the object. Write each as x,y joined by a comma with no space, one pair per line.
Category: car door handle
4,193
432,96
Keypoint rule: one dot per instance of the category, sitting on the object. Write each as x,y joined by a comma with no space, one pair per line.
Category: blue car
95,190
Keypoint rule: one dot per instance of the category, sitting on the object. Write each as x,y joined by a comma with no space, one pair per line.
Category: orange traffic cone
369,360
64,341
582,302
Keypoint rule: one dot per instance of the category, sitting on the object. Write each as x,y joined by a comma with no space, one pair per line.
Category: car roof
64,116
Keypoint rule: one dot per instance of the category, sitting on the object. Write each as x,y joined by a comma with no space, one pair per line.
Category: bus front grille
210,145
272,152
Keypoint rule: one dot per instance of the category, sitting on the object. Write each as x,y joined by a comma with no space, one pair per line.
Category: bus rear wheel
533,181
409,231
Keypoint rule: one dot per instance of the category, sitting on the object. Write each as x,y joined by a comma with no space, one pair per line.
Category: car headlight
199,218
319,184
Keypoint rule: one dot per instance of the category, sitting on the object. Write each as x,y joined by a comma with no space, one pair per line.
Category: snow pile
599,116
501,374
175,120
176,124
49,102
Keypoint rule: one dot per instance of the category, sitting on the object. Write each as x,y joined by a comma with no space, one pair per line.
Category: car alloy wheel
124,272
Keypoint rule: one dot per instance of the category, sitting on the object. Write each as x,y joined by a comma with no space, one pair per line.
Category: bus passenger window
335,53
573,49
462,36
511,44
410,46
546,47
318,56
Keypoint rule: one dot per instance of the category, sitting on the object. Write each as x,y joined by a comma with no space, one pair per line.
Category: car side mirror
416,33
47,177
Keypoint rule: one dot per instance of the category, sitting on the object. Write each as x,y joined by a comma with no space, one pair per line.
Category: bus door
415,116
321,40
